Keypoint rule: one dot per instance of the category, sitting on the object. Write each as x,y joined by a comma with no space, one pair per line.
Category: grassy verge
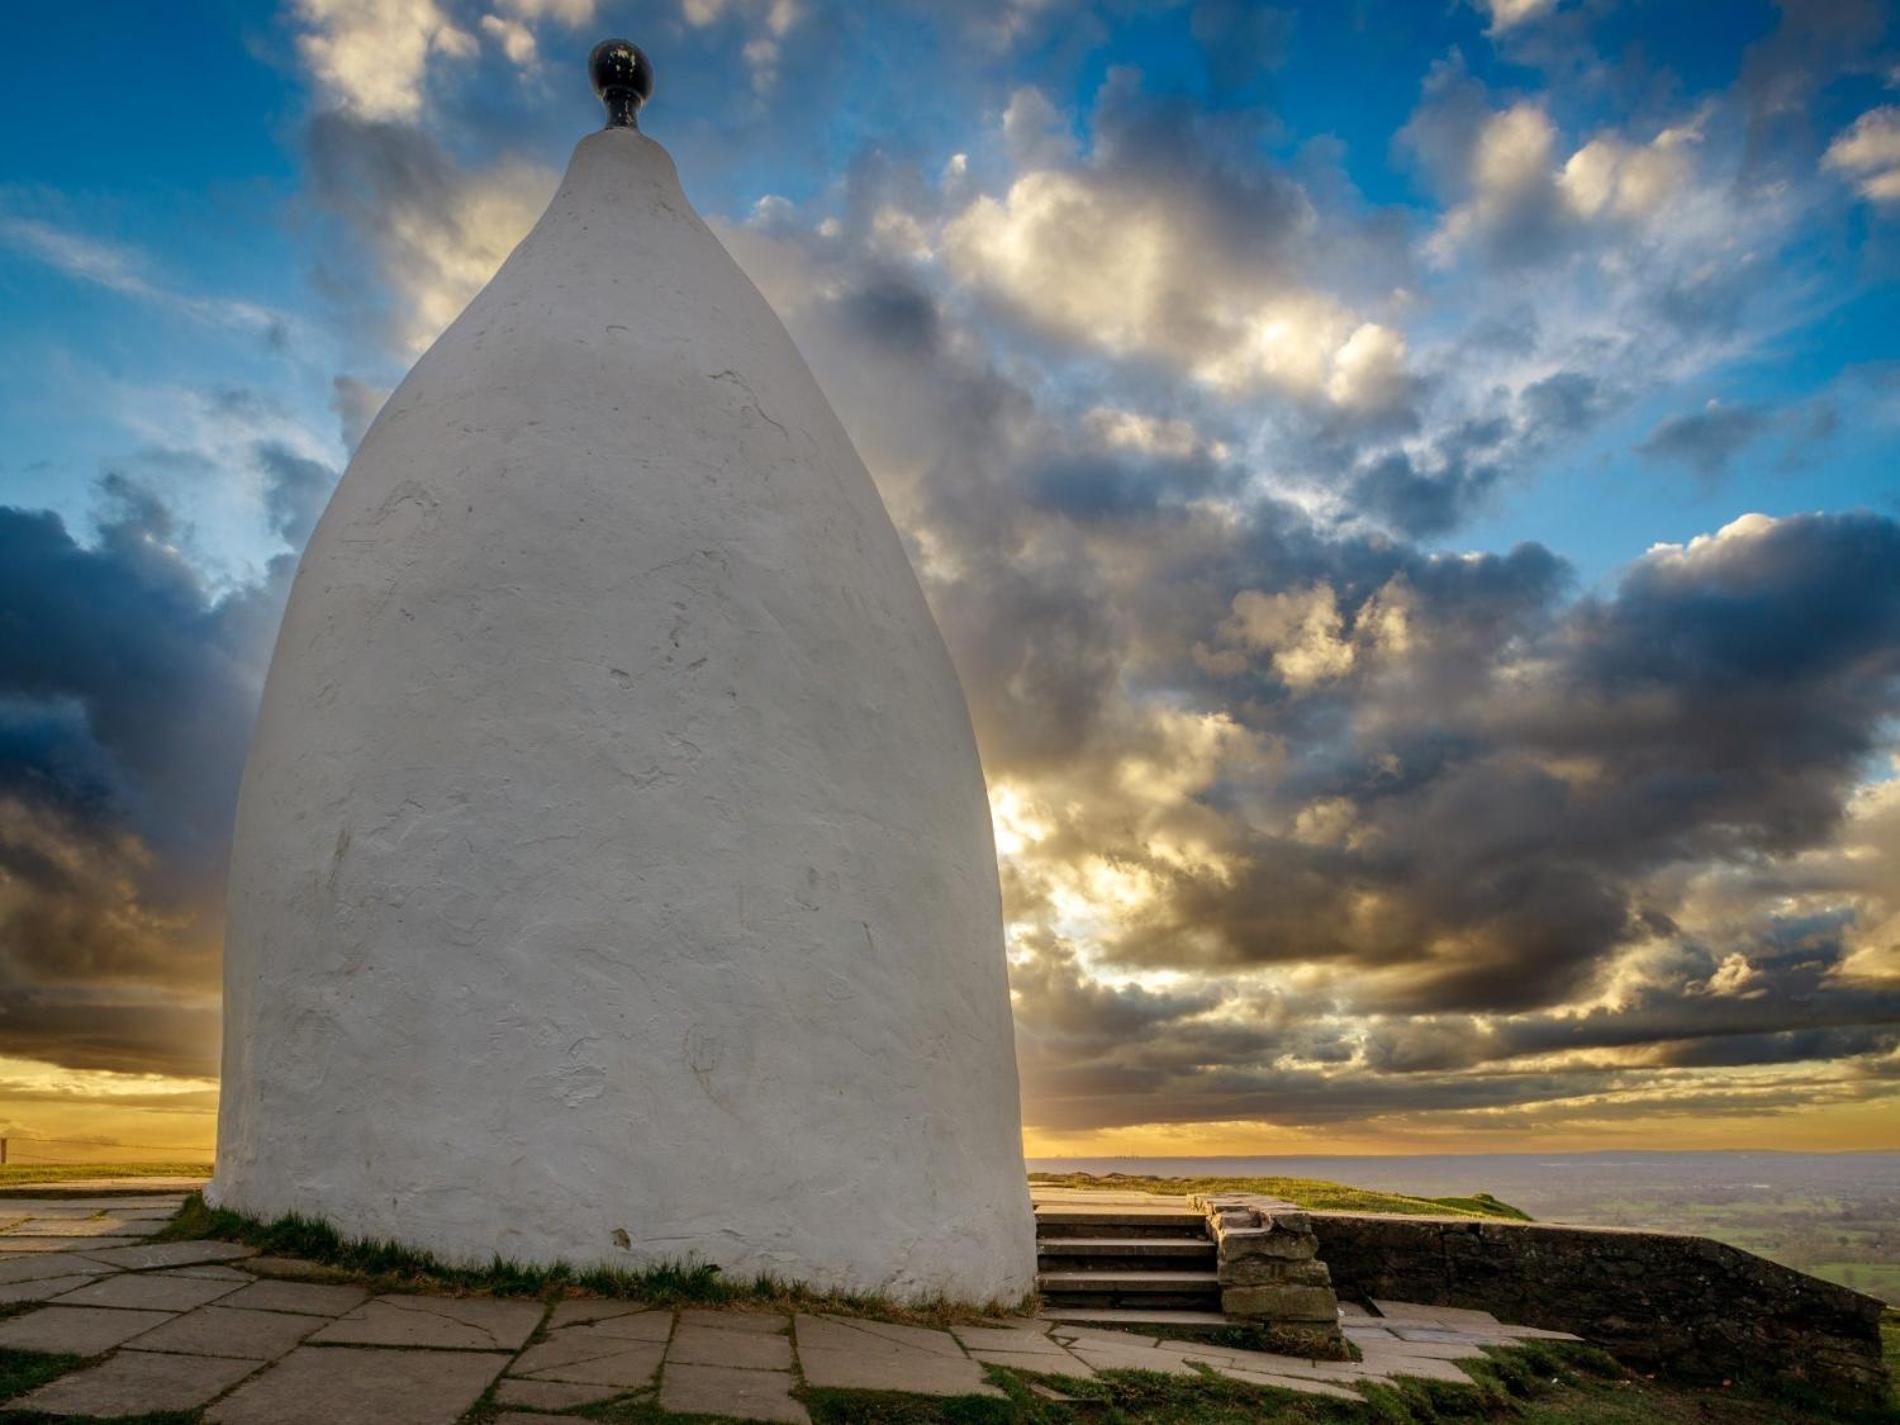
388,1266
25,1174
1315,1193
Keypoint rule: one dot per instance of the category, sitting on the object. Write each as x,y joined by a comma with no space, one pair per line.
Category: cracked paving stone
739,1350
347,1386
446,1322
764,1323
552,1394
1298,1386
79,1330
918,1372
135,1383
149,1291
74,1227
740,1394
304,1298
41,1288
917,1338
231,1331
585,1312
51,1264
1001,1338
1057,1363
629,1367
1109,1358
169,1254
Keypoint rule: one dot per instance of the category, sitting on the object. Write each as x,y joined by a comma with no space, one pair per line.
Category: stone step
1115,1247
1054,1222
1127,1318
1129,1281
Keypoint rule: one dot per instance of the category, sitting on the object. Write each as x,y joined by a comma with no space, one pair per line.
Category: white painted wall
614,856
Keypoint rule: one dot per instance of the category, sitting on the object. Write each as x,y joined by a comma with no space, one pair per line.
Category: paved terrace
261,1341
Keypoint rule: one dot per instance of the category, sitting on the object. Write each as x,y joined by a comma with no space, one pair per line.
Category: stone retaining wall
1269,1272
1685,1306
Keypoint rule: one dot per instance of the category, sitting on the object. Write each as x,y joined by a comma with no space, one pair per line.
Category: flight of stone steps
1125,1264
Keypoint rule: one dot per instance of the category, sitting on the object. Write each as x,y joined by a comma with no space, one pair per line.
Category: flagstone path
209,1325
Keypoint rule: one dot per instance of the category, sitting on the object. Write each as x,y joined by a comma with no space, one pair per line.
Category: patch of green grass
389,1266
1316,1193
22,1174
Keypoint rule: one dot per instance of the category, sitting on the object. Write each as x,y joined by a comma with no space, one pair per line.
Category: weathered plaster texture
1269,1270
1686,1306
613,876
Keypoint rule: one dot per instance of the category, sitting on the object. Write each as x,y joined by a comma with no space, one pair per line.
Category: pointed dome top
623,78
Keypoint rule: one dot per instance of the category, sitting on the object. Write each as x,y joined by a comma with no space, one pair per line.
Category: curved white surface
613,864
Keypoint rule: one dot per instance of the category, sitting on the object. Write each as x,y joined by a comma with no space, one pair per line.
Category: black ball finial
623,78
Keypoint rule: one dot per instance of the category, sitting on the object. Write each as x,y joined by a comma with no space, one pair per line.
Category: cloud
127,691
371,56
1868,153
433,232
1709,439
121,269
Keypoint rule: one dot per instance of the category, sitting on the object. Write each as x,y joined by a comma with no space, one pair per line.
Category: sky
1410,489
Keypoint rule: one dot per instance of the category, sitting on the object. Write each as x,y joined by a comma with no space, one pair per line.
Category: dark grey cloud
1707,440
127,691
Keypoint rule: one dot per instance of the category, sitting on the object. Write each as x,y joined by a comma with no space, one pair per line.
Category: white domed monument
613,879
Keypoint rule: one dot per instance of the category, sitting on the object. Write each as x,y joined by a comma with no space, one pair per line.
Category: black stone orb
623,78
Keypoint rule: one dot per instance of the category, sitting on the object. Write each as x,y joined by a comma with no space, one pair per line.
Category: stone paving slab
294,1267
648,1325
1292,1383
84,1206
445,1322
231,1331
73,1227
1441,1350
917,1372
580,1313
576,1344
170,1254
531,1417
344,1385
917,1338
1423,1367
1058,1363
81,1330
11,1245
41,1288
741,1394
771,1323
1418,1312
697,1345
625,1369
148,1291
304,1298
551,1394
211,1272
993,1338
135,1383
49,1264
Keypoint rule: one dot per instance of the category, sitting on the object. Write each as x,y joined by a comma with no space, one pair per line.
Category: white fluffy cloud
370,56
1869,154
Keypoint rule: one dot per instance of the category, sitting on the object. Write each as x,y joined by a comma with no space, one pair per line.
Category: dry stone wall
1685,1306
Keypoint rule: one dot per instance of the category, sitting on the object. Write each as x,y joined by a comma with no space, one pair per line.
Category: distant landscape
1836,1215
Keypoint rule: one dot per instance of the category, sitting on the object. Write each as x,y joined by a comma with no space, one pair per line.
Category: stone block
1266,1242
1280,1303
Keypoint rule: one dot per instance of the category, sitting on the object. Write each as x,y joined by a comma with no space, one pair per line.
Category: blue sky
1339,429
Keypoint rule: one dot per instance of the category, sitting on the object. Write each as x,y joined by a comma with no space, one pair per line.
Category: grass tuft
389,1266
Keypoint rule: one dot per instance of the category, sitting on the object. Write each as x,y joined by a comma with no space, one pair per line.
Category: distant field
1881,1279
12,1174
1316,1193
